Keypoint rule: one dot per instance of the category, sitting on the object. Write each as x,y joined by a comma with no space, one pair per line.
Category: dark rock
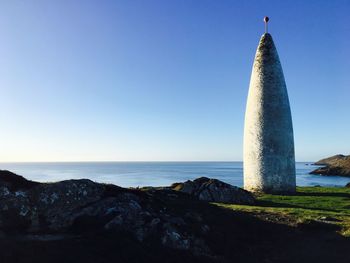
318,225
213,190
347,185
83,206
175,239
194,217
329,219
15,182
330,160
335,165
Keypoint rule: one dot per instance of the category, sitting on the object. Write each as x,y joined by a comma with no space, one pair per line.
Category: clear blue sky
164,80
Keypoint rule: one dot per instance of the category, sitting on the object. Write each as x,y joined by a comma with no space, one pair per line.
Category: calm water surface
133,174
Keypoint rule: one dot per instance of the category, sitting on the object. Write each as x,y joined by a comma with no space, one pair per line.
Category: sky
139,80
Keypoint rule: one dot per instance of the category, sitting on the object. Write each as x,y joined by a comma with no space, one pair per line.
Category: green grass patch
326,204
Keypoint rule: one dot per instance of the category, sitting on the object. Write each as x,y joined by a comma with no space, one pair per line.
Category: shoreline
156,174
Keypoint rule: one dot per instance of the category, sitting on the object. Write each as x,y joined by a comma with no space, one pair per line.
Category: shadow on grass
240,231
265,203
322,194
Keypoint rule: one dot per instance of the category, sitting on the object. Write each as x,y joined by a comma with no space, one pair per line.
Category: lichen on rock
83,206
213,190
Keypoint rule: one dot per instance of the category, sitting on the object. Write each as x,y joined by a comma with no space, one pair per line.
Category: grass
330,205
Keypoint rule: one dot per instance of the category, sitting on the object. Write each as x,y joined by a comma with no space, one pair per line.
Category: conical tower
269,162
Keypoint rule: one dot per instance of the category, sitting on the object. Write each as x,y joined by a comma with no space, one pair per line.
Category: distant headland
335,165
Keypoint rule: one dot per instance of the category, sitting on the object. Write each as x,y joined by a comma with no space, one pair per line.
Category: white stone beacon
269,162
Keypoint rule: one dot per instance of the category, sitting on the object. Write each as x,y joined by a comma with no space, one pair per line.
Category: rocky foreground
334,165
84,221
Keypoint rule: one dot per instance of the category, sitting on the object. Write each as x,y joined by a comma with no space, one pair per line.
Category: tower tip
266,20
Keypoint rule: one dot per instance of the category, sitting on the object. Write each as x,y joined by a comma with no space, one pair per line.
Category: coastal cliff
334,165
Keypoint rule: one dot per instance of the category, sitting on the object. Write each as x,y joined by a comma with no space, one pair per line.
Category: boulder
213,190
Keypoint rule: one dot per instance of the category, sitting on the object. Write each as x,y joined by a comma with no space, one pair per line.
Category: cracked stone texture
83,207
269,162
213,190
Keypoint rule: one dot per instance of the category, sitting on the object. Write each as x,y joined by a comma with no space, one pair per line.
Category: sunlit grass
326,204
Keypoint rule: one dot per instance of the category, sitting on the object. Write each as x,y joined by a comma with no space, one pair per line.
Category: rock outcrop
334,165
213,190
83,221
83,206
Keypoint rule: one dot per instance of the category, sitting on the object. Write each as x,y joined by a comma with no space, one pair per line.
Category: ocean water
133,174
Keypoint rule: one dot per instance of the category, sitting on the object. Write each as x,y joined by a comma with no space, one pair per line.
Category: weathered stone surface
269,162
62,202
213,190
15,182
83,206
334,165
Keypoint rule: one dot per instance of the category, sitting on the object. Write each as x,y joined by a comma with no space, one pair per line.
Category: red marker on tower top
266,19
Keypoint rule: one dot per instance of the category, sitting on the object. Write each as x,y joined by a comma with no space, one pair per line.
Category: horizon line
137,161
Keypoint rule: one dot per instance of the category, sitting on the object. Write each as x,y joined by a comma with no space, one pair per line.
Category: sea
139,174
